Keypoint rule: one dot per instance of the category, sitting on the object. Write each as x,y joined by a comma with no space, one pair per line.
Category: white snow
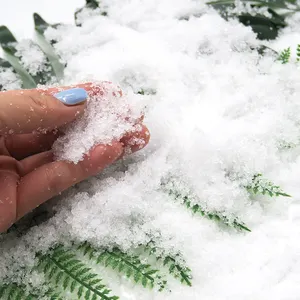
31,56
218,114
109,116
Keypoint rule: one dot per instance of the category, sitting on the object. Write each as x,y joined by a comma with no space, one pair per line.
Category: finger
8,187
93,89
137,140
132,142
53,178
25,111
33,162
20,146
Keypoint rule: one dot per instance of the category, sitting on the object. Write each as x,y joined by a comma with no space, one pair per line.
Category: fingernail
72,96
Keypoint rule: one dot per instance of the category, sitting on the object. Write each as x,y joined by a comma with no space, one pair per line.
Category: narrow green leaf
54,59
73,286
59,276
87,295
66,282
80,292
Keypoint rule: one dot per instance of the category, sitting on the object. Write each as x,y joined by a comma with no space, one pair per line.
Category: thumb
25,111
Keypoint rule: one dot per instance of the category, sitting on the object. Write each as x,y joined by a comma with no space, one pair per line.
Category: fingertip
137,140
103,155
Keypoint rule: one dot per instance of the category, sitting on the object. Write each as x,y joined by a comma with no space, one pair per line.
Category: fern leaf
74,275
177,270
14,292
129,265
263,186
298,52
285,56
52,295
218,217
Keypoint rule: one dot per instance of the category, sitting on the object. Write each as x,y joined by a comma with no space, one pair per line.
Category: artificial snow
108,116
31,57
218,114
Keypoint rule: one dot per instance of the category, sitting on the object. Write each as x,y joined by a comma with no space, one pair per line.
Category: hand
29,120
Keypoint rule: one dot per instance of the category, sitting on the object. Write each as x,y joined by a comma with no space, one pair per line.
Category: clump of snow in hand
108,116
218,114
32,57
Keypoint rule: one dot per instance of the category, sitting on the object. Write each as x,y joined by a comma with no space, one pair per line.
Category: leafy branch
13,292
176,269
63,268
214,216
263,186
130,265
285,55
264,17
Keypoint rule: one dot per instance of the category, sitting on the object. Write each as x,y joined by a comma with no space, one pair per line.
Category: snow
109,116
218,114
31,56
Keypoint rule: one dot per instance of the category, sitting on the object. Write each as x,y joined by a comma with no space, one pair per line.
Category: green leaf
262,186
8,43
75,276
90,4
265,27
40,26
7,37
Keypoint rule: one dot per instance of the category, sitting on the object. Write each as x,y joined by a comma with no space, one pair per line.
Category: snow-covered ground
220,114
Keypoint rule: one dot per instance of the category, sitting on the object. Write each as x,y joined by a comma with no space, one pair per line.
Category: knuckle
53,179
37,101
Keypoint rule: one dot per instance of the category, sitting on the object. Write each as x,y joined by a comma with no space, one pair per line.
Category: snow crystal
218,112
9,79
32,57
108,117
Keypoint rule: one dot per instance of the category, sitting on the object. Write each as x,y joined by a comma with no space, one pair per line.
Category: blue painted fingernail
72,96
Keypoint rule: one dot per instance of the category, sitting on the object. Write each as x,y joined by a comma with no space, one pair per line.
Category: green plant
265,18
52,69
263,186
285,55
129,265
179,270
13,291
63,269
214,216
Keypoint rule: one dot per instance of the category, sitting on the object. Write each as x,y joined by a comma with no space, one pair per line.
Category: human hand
29,122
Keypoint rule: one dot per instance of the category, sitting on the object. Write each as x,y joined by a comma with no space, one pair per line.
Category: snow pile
32,57
108,116
9,79
218,113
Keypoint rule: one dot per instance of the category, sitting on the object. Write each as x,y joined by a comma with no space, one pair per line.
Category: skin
29,125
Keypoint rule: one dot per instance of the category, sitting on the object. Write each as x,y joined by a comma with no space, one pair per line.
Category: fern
63,269
52,294
13,292
215,216
285,55
183,273
262,186
129,265
298,52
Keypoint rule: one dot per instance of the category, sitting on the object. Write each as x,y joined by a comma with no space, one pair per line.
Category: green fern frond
215,216
176,269
129,265
298,52
51,294
263,186
285,56
13,292
184,274
63,269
